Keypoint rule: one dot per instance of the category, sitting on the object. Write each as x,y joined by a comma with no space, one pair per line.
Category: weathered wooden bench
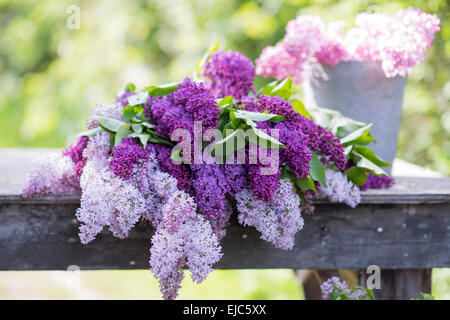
404,230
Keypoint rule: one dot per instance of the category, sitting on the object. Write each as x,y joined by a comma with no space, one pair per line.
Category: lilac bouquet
258,155
398,42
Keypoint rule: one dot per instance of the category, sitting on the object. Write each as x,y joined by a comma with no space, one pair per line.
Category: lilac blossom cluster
278,220
333,285
51,174
190,102
377,182
184,238
300,135
338,287
190,205
229,73
340,189
398,42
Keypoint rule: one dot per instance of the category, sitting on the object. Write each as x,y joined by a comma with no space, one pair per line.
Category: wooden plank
406,227
44,237
14,165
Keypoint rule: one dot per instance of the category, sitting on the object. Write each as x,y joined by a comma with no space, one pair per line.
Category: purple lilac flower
167,259
296,154
177,210
235,176
51,174
334,284
190,102
377,182
278,220
340,189
209,186
229,74
75,152
122,99
323,141
183,239
263,186
181,172
125,156
107,200
98,147
114,111
219,225
155,186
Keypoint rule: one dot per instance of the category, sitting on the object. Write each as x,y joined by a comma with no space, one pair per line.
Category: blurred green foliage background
51,75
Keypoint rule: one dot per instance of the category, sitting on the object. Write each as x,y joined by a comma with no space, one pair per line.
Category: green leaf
162,90
138,99
317,171
370,155
91,133
262,135
235,122
128,113
148,125
130,87
200,63
258,116
282,89
225,101
371,167
347,150
136,127
300,108
112,139
360,136
109,124
357,175
122,133
305,184
176,156
144,137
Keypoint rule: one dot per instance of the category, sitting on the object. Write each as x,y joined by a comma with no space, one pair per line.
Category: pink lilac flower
340,189
377,182
278,220
334,284
107,200
183,239
398,42
75,152
125,156
51,174
331,49
229,74
278,63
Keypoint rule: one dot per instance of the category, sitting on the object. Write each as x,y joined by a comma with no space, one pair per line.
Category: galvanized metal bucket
360,90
